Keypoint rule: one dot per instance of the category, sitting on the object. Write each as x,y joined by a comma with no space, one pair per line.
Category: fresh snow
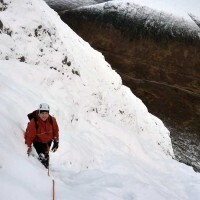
71,4
110,146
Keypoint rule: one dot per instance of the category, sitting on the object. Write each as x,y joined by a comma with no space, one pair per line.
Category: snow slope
110,146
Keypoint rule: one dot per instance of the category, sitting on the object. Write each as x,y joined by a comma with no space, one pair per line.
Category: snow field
110,146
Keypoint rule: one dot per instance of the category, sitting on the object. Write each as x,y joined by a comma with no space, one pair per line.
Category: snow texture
111,147
71,4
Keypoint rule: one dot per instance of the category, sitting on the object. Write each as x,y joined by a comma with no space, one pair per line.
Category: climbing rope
53,182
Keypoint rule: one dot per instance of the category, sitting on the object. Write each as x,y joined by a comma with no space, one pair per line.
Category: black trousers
43,152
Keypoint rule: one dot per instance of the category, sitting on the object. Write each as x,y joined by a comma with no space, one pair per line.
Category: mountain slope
110,146
157,53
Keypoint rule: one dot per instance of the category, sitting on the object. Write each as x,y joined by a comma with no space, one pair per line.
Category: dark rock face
162,68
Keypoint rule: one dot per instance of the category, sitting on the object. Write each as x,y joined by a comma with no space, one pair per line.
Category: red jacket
45,132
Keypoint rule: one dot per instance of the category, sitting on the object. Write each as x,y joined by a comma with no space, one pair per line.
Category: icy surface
110,146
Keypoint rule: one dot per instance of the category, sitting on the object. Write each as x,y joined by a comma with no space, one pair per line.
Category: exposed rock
22,59
160,63
1,25
3,6
4,29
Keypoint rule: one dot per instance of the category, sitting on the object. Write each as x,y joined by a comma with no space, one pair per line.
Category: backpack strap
33,115
51,120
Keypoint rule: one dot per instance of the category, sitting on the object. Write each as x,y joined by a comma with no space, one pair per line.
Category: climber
41,131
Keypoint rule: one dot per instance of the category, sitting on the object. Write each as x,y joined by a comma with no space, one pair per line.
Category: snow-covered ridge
60,5
108,140
143,20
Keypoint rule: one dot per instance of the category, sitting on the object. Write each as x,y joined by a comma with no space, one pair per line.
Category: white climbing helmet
44,107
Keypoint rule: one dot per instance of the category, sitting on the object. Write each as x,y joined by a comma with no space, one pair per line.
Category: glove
55,145
29,151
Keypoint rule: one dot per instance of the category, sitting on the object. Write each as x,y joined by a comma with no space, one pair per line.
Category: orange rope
53,189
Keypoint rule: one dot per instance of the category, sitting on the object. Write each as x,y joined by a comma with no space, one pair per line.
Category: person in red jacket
41,131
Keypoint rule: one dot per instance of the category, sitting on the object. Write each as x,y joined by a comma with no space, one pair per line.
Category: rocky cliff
158,57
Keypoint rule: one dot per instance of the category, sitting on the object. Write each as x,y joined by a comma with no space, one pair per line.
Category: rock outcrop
158,58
